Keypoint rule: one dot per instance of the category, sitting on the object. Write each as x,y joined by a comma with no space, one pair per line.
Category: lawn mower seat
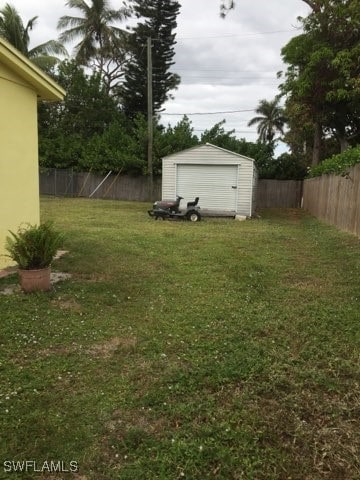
194,203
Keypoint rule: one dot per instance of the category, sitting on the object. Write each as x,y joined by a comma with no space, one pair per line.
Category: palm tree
15,32
98,37
271,120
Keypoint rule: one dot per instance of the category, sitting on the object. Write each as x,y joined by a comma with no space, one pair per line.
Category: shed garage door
216,185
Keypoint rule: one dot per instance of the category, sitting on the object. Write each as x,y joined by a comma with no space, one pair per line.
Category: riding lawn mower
170,209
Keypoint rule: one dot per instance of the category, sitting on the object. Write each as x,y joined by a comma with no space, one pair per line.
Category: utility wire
227,131
210,113
225,77
227,35
222,69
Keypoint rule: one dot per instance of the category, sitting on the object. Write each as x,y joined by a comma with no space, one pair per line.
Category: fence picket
279,194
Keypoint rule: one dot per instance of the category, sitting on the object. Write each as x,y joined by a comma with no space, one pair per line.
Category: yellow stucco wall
19,187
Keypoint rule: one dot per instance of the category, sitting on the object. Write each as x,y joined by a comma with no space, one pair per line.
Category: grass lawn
225,350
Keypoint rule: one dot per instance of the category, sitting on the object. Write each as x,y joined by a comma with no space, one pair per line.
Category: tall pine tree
157,19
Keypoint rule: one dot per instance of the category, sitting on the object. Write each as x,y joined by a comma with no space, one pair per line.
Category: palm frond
45,62
52,47
68,21
31,23
255,120
72,34
12,28
118,15
78,4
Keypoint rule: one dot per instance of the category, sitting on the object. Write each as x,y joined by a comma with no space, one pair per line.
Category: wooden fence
58,182
79,184
335,199
279,194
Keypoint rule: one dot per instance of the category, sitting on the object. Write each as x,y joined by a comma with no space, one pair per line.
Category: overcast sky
225,64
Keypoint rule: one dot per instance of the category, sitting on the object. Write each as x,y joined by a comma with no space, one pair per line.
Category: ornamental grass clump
35,246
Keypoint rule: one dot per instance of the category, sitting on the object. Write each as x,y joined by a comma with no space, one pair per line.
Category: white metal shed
225,181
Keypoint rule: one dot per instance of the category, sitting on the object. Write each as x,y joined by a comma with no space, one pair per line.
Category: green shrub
338,164
34,247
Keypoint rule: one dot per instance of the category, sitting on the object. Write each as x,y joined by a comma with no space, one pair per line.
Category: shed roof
213,146
44,86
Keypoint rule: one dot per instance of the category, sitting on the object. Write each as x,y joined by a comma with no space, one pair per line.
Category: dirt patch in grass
123,421
105,349
288,215
108,348
93,277
292,215
68,304
309,284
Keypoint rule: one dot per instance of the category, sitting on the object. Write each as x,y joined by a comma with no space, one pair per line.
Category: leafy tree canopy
322,83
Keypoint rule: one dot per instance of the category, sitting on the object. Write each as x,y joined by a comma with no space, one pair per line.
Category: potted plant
33,248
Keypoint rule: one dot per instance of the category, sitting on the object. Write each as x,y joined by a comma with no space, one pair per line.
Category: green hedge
338,164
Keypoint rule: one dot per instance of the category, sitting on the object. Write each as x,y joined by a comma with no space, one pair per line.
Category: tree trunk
344,144
317,145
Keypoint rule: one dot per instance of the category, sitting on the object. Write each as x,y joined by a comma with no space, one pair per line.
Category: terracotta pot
35,280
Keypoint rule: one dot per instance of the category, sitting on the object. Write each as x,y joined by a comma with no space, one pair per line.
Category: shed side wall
254,190
168,179
245,184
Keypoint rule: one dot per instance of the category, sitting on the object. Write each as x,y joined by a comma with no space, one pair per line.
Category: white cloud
230,64
225,65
